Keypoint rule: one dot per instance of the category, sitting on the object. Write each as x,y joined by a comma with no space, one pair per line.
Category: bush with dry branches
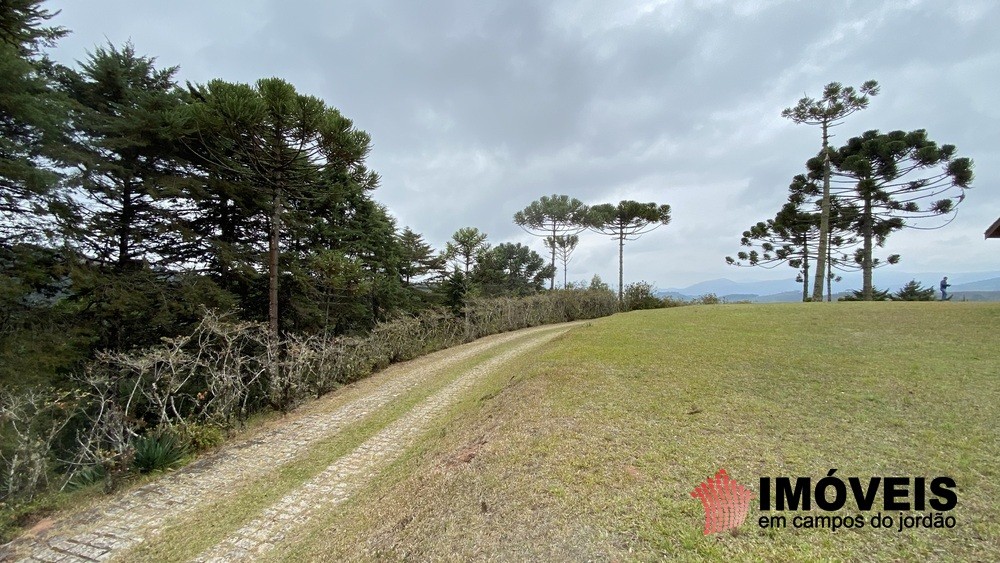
225,370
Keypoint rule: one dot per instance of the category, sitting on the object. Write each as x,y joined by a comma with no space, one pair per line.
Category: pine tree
792,237
626,221
417,257
837,103
33,118
465,245
913,291
129,165
510,269
563,246
558,215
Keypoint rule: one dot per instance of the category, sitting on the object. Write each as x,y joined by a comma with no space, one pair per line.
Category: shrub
158,451
708,299
86,477
202,436
31,425
913,291
639,295
673,302
858,295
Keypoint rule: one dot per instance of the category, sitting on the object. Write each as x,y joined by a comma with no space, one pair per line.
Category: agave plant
158,451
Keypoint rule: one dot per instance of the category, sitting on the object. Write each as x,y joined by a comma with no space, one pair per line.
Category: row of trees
133,210
129,203
853,197
559,219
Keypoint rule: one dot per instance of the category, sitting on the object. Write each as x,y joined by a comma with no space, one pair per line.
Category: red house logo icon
725,501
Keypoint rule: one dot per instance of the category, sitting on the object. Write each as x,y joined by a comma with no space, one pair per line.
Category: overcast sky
477,108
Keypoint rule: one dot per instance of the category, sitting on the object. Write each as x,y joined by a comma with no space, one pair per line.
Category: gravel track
132,517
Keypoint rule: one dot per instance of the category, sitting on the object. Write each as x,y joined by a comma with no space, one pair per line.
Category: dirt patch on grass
466,453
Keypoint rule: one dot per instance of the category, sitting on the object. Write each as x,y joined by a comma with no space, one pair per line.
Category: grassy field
589,449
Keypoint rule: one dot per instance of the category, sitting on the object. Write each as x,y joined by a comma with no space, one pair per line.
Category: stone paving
348,474
140,514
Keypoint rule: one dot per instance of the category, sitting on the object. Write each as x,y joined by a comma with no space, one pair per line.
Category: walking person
944,289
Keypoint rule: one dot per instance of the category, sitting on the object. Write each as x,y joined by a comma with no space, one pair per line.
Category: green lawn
590,448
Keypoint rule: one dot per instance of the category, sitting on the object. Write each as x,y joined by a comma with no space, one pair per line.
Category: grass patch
589,449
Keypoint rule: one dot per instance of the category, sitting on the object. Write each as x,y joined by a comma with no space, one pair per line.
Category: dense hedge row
224,371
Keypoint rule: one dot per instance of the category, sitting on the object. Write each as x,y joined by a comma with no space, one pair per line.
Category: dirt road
125,521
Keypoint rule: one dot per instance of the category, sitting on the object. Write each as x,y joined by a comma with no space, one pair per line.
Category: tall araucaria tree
270,136
829,111
895,180
551,217
789,238
626,221
844,219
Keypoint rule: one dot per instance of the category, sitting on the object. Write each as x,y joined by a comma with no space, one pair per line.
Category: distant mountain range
971,286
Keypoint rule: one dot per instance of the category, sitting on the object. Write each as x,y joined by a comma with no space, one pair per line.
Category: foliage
158,451
640,295
454,290
491,316
33,129
894,179
597,284
510,269
913,291
465,246
669,302
792,237
140,409
125,140
31,424
563,245
417,257
859,295
88,476
291,147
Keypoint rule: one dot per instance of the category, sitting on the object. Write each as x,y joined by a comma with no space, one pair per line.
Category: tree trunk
621,267
125,225
829,273
273,265
227,236
553,284
824,218
866,259
805,269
